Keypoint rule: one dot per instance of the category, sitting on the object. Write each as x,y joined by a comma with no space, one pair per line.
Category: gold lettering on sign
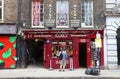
42,35
58,62
83,40
61,36
72,35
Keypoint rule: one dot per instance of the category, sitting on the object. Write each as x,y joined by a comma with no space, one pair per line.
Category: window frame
83,25
2,10
66,16
38,26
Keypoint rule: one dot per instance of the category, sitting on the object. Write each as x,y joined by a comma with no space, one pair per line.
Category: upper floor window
1,10
62,13
87,13
37,13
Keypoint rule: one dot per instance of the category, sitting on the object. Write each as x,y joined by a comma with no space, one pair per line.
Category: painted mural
7,52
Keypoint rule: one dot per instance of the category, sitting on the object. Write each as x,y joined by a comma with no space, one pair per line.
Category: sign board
50,22
75,23
8,29
98,43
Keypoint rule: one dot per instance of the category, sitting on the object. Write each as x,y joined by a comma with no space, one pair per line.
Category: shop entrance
82,55
35,53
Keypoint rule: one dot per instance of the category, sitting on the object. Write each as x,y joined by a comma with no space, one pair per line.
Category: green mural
14,45
12,66
12,39
7,54
1,61
1,45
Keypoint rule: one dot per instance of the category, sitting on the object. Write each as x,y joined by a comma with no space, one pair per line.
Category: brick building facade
50,24
59,26
26,11
8,29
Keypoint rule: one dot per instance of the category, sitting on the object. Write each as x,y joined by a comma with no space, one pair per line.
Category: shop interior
35,53
82,55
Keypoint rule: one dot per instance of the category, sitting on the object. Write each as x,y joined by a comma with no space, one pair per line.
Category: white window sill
37,26
62,26
87,26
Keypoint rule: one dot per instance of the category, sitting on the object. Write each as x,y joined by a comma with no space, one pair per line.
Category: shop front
8,54
46,45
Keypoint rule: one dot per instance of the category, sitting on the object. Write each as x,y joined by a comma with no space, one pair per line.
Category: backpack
92,71
88,71
95,72
61,56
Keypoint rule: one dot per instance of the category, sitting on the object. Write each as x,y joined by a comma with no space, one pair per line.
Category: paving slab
41,73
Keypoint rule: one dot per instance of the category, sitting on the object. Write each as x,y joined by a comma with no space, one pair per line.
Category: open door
35,49
84,53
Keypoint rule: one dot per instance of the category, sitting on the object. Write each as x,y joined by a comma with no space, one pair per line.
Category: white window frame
39,26
83,25
67,15
2,8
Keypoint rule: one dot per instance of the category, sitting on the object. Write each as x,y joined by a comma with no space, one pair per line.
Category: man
63,59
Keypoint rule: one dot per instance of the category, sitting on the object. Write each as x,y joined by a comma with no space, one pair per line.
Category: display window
57,45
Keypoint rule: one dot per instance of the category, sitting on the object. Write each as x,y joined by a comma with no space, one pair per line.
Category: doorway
35,53
118,50
118,45
82,55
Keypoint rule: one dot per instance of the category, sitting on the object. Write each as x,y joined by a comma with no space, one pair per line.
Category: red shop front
78,44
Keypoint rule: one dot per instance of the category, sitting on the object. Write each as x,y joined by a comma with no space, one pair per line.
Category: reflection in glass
57,45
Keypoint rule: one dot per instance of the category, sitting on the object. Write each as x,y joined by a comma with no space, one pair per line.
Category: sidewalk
47,74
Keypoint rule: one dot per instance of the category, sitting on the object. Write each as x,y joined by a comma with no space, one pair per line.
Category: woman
63,59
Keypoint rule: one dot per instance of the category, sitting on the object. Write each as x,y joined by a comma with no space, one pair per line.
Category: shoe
63,70
60,70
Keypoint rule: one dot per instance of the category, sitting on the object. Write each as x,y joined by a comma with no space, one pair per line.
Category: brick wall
99,8
99,5
10,11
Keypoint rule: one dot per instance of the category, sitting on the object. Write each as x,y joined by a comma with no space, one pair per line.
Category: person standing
63,59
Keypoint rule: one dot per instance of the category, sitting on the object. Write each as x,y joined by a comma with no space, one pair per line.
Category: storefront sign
42,35
61,36
54,42
50,22
38,36
83,40
62,43
75,35
75,23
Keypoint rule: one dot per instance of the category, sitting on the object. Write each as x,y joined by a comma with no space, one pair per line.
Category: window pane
0,13
0,3
87,12
57,45
62,13
1,9
37,13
